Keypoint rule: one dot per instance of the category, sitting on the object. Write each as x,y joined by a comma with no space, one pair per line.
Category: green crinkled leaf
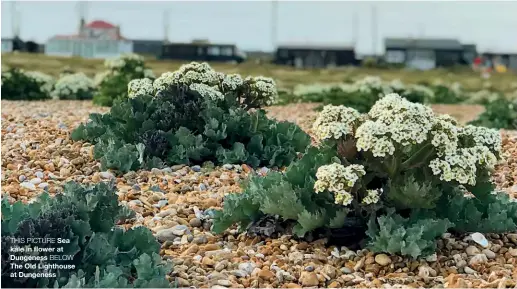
104,255
413,236
494,213
237,154
408,193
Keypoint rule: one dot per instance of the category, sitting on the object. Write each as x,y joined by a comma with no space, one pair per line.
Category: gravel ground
37,155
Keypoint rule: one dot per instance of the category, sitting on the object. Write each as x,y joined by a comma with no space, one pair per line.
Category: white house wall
7,45
87,48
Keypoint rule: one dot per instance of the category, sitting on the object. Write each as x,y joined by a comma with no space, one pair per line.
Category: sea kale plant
75,86
399,170
361,94
18,84
191,116
85,218
112,83
500,113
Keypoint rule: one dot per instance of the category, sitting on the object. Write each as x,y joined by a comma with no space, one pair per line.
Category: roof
100,24
198,44
144,41
320,46
452,44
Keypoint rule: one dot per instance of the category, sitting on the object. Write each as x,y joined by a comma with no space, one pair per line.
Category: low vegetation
84,218
192,116
402,173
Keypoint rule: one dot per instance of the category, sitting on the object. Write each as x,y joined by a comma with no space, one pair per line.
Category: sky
491,25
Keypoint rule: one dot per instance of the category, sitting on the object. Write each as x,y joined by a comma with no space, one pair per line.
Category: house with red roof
97,39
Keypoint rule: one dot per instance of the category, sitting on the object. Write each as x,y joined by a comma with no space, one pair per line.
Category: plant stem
408,163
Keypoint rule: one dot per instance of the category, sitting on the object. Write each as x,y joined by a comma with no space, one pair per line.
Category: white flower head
262,88
137,87
338,179
372,196
207,91
68,86
47,82
335,122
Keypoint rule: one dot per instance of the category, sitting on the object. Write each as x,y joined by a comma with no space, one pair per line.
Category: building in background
202,50
315,56
424,54
17,44
97,39
508,60
148,47
8,45
469,53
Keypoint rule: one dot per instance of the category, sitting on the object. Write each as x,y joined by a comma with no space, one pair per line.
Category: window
214,50
395,56
227,51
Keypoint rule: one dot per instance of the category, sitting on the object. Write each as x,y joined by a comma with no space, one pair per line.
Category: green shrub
499,113
400,168
360,95
76,86
112,84
21,85
448,94
103,254
182,118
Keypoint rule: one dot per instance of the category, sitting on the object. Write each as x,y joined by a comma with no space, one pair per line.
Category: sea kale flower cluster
47,81
335,122
397,137
251,92
339,180
74,86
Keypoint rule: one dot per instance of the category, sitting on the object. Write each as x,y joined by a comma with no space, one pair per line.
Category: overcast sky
491,25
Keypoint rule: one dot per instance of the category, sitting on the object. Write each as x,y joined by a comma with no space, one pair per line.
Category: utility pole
166,26
274,23
81,12
374,29
15,24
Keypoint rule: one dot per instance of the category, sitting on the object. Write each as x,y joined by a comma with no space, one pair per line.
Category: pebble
469,270
382,259
106,175
196,168
309,279
489,254
28,185
170,234
161,204
513,252
247,267
43,185
200,240
202,187
309,268
478,259
225,283
195,222
21,178
39,174
227,166
165,213
472,250
179,230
